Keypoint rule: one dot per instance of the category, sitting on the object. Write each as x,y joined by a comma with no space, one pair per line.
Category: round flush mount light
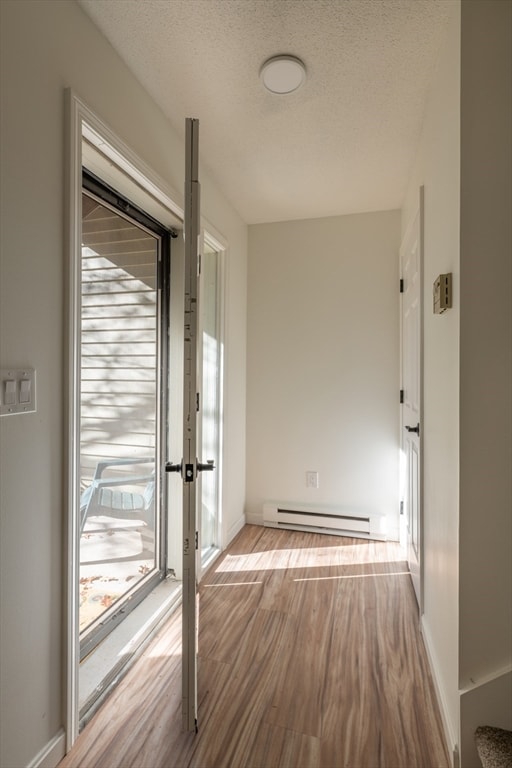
283,74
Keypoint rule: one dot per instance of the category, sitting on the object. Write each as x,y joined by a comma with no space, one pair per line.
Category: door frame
82,123
203,565
419,213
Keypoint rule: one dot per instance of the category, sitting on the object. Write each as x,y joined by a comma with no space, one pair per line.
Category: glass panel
118,543
211,399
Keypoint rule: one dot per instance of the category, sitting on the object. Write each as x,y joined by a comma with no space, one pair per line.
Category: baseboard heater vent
323,520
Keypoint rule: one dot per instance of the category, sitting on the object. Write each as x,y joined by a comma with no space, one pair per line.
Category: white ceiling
343,143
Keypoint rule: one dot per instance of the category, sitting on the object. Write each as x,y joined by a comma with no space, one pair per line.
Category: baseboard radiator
323,520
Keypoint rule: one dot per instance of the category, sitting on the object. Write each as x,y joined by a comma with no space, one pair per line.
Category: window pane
118,408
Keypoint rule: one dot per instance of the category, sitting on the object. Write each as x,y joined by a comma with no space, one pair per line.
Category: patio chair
107,495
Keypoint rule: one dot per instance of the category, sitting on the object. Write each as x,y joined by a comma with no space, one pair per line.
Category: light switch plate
17,391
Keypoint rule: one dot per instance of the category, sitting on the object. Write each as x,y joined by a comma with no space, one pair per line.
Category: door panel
411,265
413,502
189,463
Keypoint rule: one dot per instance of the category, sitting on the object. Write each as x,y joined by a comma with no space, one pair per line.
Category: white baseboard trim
450,730
52,753
234,529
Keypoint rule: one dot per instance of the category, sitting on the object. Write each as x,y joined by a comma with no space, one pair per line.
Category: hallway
310,656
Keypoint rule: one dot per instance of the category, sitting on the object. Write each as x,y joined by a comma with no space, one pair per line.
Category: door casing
411,333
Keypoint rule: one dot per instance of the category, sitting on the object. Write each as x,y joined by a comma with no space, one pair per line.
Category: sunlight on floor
233,584
355,576
313,557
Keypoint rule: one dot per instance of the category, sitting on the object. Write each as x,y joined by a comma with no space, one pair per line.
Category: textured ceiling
343,143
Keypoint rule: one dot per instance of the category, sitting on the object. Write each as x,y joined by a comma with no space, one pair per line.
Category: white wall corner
233,529
450,729
52,753
254,518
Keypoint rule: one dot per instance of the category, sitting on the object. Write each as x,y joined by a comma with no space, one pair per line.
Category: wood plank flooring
310,656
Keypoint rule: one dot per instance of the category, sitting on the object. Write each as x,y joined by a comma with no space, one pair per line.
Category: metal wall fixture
442,293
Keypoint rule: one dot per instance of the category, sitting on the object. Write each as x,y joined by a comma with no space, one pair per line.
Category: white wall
464,161
485,599
486,338
437,168
323,363
47,46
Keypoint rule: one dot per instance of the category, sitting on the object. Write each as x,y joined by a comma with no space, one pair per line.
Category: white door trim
75,115
418,216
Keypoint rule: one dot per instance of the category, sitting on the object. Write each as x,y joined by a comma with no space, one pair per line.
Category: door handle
208,467
414,429
200,467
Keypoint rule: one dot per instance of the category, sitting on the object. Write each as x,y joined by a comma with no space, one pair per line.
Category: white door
189,467
411,270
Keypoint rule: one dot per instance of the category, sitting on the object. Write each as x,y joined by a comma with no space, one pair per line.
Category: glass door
124,259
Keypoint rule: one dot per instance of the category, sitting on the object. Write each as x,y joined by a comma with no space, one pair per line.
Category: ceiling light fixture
283,74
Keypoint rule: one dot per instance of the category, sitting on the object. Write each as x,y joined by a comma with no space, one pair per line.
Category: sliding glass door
124,274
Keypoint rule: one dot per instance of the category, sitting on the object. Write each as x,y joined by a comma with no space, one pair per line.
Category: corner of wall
52,753
450,727
233,529
437,168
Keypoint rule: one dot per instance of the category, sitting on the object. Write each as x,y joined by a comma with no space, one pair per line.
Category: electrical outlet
311,479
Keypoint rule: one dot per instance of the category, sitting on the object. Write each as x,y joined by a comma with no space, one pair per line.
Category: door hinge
197,540
197,401
401,395
401,285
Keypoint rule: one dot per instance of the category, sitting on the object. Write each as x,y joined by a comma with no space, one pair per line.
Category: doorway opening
126,370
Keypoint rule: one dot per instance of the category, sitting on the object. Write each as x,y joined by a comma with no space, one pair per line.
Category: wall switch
25,390
10,391
311,479
17,391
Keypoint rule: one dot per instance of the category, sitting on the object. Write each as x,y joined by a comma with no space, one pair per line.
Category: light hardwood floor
310,656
